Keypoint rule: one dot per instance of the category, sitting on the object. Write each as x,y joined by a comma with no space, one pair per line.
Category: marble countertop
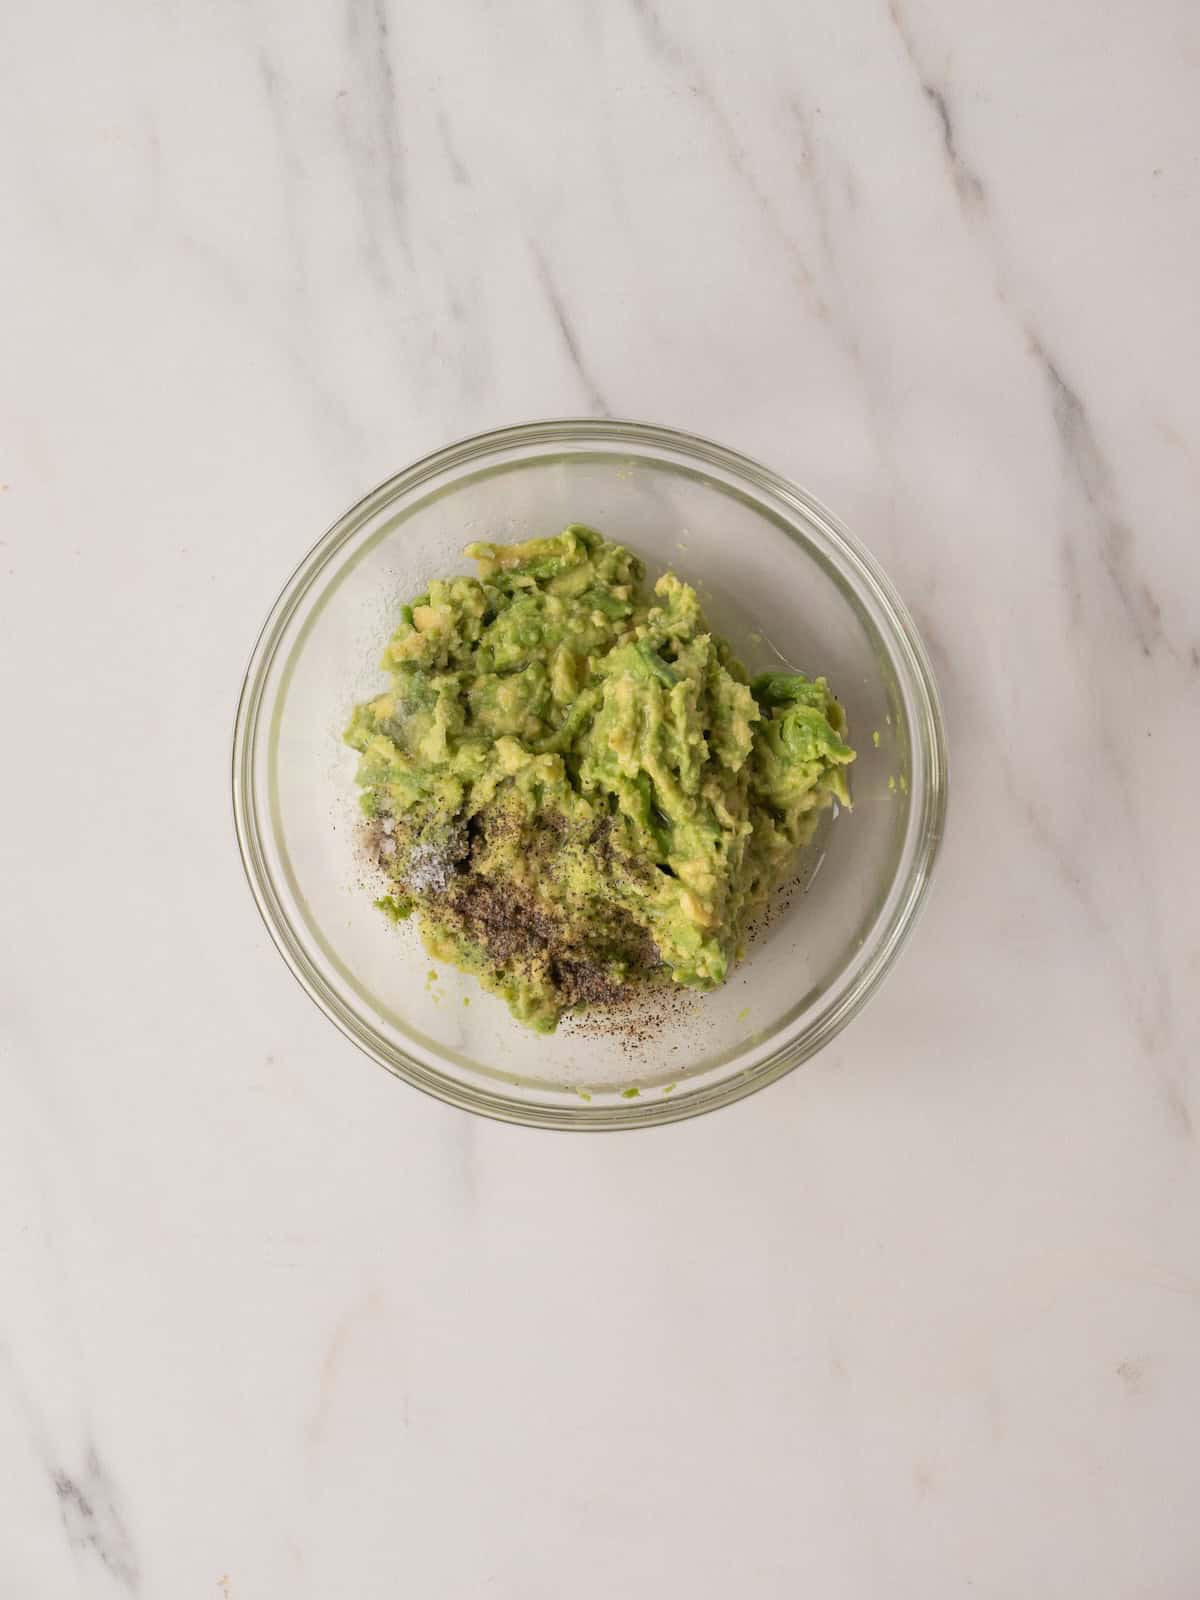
923,1320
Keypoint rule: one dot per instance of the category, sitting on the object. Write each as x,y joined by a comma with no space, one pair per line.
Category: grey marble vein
376,54
262,324
291,173
377,156
1139,964
701,88
830,179
88,1499
1114,541
567,331
967,182
1094,477
806,168
458,169
89,1506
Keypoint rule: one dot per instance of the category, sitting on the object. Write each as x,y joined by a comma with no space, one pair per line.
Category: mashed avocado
576,785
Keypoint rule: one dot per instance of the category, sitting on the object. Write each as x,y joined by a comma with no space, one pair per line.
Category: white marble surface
924,1319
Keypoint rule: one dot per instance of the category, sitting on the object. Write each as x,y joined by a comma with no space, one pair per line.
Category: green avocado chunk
573,782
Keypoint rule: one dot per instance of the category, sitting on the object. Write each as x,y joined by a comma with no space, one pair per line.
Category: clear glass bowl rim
904,643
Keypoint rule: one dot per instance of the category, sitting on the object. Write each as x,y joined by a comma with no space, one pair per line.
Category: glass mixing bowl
781,579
